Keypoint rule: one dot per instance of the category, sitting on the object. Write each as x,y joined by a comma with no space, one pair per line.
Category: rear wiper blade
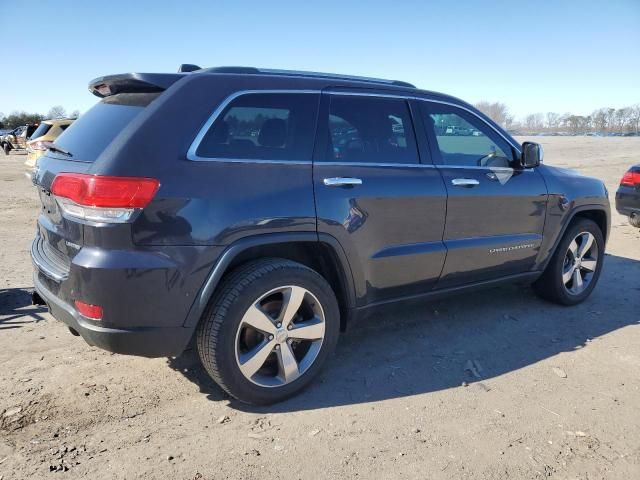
54,148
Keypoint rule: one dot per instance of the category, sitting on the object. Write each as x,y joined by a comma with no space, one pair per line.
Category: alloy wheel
279,336
580,263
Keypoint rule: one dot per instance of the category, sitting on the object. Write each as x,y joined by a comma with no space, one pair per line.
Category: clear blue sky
564,56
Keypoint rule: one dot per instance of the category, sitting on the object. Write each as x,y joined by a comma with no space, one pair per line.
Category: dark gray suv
261,211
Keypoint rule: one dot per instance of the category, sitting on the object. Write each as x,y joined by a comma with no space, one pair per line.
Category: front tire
268,330
574,268
6,148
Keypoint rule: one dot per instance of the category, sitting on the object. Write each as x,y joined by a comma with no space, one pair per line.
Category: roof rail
299,73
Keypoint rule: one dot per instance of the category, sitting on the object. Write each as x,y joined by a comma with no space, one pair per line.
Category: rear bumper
143,341
628,201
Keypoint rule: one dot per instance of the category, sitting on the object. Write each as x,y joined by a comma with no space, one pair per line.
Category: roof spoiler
132,83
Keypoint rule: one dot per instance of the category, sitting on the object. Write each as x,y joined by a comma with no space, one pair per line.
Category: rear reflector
631,179
102,198
93,312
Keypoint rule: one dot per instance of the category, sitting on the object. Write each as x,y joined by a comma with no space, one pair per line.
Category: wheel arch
595,212
599,216
322,253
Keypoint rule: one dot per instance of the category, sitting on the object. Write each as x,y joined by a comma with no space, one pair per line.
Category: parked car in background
628,195
43,137
17,138
259,212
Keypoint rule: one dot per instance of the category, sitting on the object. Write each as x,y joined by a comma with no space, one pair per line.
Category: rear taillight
630,179
40,145
93,312
102,198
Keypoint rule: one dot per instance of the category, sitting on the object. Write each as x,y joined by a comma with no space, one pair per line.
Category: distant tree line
15,119
602,120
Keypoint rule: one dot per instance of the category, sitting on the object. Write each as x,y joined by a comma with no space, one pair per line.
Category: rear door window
370,129
92,133
263,126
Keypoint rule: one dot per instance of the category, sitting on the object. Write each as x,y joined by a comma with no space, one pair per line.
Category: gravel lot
494,385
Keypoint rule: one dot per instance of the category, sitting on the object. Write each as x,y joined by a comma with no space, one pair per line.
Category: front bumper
142,341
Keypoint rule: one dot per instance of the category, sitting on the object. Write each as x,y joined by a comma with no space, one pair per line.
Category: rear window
269,126
41,130
92,133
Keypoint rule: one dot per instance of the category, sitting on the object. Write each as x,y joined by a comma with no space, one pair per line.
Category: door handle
465,182
342,182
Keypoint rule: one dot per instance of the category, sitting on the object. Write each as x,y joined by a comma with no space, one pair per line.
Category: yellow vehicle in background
45,135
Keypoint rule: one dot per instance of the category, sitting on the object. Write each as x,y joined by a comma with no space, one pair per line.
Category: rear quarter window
268,126
91,134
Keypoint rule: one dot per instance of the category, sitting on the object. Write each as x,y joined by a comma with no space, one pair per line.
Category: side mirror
532,155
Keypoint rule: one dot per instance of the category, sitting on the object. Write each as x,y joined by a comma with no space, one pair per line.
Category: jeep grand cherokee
261,211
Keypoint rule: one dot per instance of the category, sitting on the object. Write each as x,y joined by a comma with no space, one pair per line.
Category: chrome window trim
419,165
250,160
376,164
477,167
191,153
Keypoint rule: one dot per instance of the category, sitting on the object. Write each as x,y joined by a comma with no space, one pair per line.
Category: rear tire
634,221
6,148
268,330
574,268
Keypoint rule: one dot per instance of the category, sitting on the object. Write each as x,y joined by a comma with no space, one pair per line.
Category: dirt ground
494,385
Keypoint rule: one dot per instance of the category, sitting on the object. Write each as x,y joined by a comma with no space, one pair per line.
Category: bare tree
75,114
496,111
634,118
534,121
623,117
553,120
578,123
57,112
600,120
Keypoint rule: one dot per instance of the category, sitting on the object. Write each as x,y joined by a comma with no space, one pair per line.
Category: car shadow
16,309
464,340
